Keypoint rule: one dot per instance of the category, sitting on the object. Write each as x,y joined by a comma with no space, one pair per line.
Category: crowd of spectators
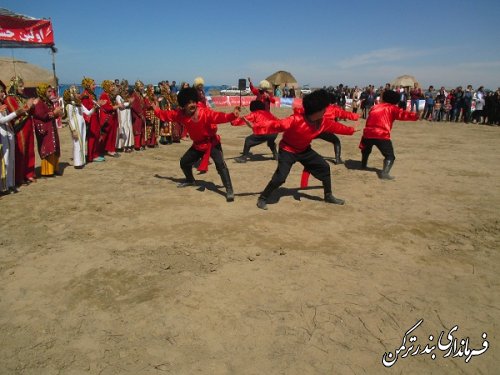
451,105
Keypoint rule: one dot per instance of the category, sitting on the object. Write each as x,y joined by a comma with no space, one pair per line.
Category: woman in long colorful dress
8,142
170,132
75,112
152,122
108,117
125,139
44,115
25,138
95,149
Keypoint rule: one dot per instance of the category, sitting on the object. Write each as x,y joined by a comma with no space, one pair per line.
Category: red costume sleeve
220,117
337,112
167,115
253,89
272,126
12,104
331,126
239,121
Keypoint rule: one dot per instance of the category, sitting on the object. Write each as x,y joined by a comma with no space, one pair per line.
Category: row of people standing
122,120
23,121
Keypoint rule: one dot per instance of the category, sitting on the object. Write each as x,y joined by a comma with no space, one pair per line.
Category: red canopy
19,31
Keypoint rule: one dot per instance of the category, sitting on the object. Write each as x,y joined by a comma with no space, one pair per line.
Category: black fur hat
390,96
315,101
189,94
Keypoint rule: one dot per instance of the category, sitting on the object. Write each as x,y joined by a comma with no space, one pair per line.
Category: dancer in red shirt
298,132
258,114
199,123
378,127
263,93
335,112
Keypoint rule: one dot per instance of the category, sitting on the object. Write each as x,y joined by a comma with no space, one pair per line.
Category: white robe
77,124
8,141
125,138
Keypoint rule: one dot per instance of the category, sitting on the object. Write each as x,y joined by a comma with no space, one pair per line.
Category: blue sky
448,42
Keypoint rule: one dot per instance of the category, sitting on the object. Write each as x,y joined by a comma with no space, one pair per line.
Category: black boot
262,201
387,168
364,160
241,159
329,198
226,181
244,154
337,148
188,172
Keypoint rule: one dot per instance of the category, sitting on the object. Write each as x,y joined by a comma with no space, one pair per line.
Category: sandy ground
114,270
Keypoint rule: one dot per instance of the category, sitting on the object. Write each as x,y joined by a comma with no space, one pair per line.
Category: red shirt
334,111
297,132
200,127
263,96
258,116
382,116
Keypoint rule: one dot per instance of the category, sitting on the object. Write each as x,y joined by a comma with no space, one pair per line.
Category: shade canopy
20,31
281,77
405,81
32,75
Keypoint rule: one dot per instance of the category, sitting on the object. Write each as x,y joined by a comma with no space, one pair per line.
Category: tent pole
53,50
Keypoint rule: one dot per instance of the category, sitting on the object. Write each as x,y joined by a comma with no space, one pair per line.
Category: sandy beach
114,270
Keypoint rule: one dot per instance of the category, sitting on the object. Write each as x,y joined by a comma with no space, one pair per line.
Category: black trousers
254,140
384,146
312,162
192,156
329,137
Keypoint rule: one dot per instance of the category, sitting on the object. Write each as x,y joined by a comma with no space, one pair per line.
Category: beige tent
281,77
31,74
405,81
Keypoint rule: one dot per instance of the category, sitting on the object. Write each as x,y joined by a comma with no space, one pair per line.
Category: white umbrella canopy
405,81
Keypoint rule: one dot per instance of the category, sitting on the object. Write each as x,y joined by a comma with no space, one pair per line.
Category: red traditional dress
47,137
95,147
169,131
137,107
152,123
25,141
108,119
